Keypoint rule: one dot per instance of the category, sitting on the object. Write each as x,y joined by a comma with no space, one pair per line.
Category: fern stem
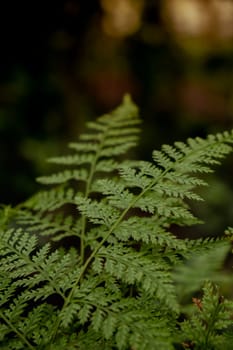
87,192
16,331
211,326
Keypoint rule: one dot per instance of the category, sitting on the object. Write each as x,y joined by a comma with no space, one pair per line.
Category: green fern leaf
95,263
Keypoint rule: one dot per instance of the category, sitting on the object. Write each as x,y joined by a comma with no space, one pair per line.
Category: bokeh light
205,19
121,18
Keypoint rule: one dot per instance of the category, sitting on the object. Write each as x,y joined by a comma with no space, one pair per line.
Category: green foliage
210,325
92,263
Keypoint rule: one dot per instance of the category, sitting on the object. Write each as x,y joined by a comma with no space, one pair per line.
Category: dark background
65,62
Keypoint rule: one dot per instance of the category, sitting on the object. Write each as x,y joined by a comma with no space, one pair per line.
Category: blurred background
67,61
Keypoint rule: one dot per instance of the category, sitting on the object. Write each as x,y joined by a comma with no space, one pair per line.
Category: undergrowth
92,262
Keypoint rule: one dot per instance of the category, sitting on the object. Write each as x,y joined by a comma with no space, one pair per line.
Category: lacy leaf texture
91,262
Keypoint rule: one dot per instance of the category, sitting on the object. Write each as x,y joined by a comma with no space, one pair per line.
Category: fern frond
50,200
76,159
151,231
33,275
112,140
152,276
114,276
55,225
63,177
97,212
209,322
